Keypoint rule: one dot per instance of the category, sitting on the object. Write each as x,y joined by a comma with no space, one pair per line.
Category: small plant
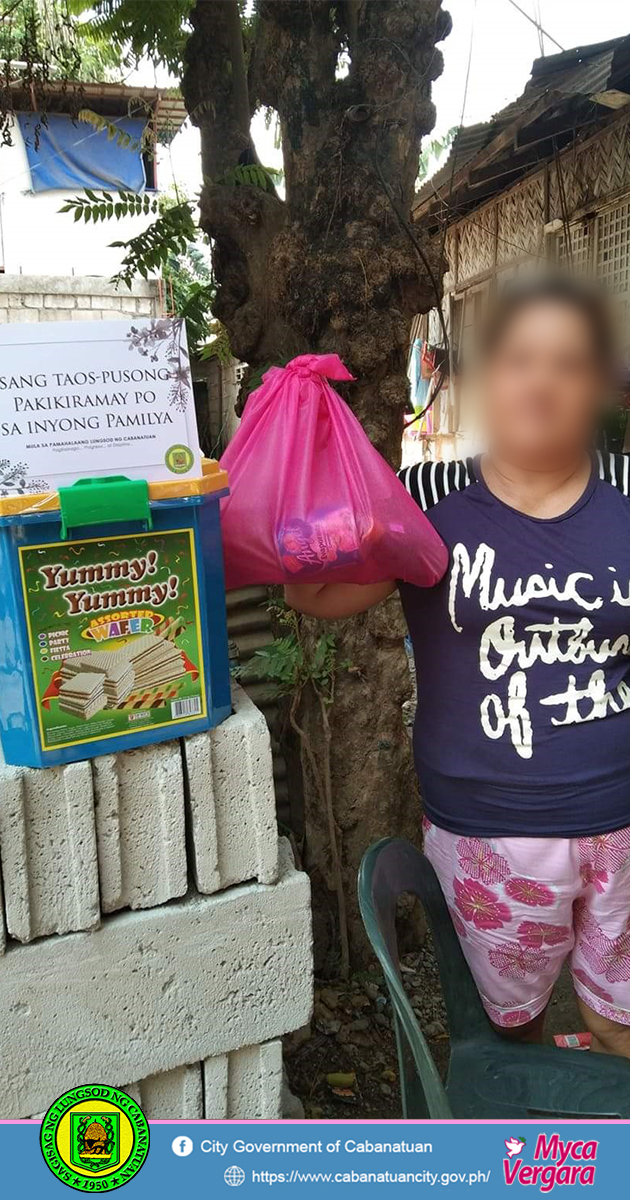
92,207
249,175
292,664
169,244
144,143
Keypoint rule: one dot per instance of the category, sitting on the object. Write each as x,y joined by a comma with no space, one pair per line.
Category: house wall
32,298
520,223
36,237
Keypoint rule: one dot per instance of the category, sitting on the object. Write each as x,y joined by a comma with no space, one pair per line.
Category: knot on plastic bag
322,366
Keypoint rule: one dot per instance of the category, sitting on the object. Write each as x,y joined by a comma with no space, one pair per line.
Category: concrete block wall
48,851
155,990
243,1085
33,298
80,841
247,1084
136,945
232,802
139,809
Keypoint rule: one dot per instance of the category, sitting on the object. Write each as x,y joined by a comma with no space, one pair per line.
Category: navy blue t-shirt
523,658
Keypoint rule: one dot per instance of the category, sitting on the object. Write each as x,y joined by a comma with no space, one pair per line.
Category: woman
522,735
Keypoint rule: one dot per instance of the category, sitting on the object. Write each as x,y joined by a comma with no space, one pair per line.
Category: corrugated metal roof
583,71
110,99
573,57
467,143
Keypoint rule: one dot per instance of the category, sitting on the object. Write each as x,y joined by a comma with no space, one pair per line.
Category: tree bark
332,268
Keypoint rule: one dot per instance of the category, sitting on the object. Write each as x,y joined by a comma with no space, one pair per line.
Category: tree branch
240,88
214,85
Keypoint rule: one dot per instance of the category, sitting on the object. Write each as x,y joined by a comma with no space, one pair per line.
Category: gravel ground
351,1040
351,1037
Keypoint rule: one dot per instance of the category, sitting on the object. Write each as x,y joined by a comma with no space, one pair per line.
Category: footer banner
103,1144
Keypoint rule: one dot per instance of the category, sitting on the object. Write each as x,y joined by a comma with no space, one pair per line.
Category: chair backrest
390,868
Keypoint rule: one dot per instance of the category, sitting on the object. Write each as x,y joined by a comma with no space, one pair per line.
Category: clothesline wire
537,24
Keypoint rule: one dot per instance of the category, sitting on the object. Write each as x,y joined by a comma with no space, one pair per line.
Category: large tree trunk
330,269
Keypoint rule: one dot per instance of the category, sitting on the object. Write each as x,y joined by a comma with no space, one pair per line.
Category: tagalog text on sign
95,398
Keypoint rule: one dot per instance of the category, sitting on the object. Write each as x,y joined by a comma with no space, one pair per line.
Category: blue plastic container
116,635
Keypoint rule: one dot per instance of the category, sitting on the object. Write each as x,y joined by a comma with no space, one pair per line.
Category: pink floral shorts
521,906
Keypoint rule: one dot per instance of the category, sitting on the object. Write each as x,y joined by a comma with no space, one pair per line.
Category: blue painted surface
19,730
324,1158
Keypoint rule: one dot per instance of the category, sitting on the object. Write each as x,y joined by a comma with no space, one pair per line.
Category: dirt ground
351,1036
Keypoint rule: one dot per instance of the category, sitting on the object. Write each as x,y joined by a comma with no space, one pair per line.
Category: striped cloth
430,482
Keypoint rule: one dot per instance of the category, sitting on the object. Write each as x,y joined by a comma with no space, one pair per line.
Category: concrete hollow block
173,1095
140,826
48,850
246,1084
255,1082
232,803
155,990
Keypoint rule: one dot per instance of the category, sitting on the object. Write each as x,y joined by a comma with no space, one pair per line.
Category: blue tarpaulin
75,155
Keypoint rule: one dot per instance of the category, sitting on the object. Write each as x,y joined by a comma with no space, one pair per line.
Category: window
579,255
601,248
613,248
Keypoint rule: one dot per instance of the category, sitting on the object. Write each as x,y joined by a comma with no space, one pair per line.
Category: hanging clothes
419,387
427,364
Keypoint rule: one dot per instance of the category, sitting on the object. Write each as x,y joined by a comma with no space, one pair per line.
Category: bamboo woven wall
512,227
594,172
521,221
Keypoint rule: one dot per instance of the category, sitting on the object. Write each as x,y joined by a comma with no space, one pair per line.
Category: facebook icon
182,1146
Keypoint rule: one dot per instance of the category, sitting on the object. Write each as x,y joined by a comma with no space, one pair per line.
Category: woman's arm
333,601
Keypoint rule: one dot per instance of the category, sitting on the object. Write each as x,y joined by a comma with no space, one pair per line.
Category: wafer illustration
91,661
155,660
119,679
84,695
147,663
117,672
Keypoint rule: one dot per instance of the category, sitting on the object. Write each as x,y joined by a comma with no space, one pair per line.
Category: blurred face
542,388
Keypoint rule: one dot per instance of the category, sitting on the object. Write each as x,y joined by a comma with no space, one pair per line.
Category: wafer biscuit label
115,636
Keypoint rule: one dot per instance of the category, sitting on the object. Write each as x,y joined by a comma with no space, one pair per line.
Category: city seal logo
179,459
95,1140
95,1133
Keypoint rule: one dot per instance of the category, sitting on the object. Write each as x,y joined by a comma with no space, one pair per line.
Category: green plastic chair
488,1076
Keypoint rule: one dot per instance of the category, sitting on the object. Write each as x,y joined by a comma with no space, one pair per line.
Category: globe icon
234,1176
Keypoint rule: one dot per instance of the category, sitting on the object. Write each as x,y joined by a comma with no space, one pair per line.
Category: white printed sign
94,398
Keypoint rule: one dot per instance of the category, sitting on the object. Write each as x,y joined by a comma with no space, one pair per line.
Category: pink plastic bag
311,500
